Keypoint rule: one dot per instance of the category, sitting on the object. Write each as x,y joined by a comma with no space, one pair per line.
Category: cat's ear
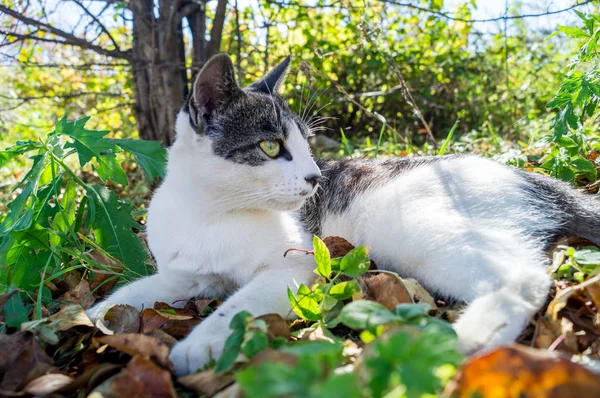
272,81
214,88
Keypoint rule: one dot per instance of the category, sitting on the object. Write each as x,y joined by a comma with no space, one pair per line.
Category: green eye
271,148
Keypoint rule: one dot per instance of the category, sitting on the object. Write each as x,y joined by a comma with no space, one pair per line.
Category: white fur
458,226
214,226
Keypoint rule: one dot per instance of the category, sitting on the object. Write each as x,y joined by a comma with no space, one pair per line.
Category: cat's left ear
271,83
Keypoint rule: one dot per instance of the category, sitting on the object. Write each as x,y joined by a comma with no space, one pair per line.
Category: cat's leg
164,286
498,317
266,293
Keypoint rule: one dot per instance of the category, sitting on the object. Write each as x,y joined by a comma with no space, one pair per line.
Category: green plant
57,220
575,102
408,353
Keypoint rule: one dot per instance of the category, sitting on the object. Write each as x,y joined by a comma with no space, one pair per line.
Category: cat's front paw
195,351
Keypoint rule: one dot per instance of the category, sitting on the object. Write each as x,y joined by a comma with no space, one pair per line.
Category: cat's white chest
199,243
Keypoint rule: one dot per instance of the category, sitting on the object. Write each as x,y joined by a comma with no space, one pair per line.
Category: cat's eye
271,148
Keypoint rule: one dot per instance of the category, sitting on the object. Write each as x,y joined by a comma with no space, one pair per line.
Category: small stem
38,304
299,250
68,170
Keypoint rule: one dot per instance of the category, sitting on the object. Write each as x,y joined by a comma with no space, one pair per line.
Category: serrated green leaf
91,144
356,262
150,155
113,228
322,257
19,148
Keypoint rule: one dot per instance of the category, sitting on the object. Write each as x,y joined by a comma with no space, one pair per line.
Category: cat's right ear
214,88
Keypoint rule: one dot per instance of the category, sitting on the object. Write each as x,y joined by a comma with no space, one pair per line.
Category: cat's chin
285,204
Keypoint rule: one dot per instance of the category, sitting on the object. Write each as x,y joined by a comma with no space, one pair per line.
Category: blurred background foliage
497,76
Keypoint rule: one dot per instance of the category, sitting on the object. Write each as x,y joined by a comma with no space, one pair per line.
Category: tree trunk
160,76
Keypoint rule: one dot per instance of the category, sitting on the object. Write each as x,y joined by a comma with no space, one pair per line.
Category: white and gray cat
240,191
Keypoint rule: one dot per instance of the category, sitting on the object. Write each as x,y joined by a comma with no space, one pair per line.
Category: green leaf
305,305
21,208
233,346
90,144
254,342
240,320
322,257
113,228
583,165
344,290
411,311
364,314
15,311
150,155
356,262
19,148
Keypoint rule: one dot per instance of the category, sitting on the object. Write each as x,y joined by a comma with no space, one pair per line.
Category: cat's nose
312,179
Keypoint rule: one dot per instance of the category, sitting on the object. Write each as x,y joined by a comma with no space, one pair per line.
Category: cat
241,188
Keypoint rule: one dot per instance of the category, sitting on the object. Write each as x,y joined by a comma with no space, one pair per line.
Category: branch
95,19
217,29
64,96
442,14
69,39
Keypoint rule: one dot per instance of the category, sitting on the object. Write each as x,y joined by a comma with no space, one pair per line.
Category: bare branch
68,38
97,21
217,29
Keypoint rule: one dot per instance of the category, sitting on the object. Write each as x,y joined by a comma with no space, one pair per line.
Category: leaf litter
65,354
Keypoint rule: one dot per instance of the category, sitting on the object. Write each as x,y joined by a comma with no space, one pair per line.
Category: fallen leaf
338,247
92,377
205,307
274,356
141,378
177,326
518,371
315,334
80,294
385,288
558,334
276,326
123,319
562,297
67,318
418,293
21,360
139,345
167,309
207,382
47,384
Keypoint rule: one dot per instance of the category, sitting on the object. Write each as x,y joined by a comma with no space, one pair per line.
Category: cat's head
244,144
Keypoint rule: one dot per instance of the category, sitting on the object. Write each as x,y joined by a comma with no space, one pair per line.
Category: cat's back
417,186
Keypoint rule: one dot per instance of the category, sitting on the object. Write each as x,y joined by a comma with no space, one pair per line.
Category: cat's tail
570,211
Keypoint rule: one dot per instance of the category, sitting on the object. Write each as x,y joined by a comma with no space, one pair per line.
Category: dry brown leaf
80,294
177,326
123,319
418,293
21,360
386,289
276,326
233,391
100,283
207,382
338,247
67,318
313,334
47,384
163,337
562,297
558,333
91,377
274,356
141,378
518,371
593,290
142,345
